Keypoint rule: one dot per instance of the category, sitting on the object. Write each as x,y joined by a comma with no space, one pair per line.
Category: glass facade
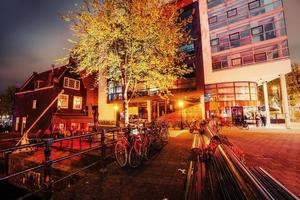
245,32
249,33
251,55
231,91
240,10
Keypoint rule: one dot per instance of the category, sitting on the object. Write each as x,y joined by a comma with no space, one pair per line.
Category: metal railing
221,174
47,145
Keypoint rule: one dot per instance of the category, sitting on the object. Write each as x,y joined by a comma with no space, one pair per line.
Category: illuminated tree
130,42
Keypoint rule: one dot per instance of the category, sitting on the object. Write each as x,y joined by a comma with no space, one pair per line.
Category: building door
237,114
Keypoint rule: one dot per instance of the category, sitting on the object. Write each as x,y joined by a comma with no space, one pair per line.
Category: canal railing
102,144
218,172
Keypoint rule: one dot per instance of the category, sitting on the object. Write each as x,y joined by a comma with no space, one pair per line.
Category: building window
270,31
34,104
77,103
257,30
234,36
38,84
231,13
254,4
214,42
24,119
63,101
260,57
234,39
17,123
213,19
71,83
236,61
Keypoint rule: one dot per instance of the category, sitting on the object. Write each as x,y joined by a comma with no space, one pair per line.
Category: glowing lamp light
274,88
116,108
180,103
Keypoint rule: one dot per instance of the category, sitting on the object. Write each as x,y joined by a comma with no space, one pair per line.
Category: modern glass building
238,45
248,47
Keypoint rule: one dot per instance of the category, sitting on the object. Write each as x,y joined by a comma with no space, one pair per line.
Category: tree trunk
126,115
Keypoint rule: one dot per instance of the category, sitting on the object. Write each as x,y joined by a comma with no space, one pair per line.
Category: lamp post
181,104
116,108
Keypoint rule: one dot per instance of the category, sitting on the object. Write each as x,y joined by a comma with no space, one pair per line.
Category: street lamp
116,108
181,104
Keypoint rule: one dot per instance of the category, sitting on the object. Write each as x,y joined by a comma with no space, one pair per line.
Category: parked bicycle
121,149
243,125
198,126
138,141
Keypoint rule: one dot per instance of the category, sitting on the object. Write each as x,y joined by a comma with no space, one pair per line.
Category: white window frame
17,123
34,104
60,106
67,83
74,102
38,84
24,121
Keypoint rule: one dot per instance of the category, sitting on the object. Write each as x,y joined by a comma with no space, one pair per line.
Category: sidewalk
277,128
158,178
277,153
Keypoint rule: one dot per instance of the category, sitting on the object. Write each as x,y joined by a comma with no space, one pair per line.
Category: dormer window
71,83
38,84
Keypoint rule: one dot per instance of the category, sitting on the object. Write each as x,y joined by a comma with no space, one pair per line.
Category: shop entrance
237,114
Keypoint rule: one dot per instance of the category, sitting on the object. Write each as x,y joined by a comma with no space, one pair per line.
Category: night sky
33,36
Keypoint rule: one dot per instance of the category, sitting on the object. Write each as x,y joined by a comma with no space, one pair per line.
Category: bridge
83,167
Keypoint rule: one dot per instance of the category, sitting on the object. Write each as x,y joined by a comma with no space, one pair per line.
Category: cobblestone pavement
275,151
157,179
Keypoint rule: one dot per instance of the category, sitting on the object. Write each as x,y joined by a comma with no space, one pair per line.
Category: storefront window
240,91
226,97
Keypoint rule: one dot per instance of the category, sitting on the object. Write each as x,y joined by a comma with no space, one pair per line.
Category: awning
71,119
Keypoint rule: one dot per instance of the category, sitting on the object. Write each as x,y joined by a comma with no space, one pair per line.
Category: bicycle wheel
165,134
158,143
121,154
146,153
135,160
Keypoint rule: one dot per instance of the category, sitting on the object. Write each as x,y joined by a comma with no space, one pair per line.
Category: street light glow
116,108
181,103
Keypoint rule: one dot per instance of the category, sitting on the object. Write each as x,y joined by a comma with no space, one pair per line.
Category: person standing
257,120
263,119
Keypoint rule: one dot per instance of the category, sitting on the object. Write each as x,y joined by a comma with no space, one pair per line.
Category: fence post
72,140
90,141
48,168
80,142
103,151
